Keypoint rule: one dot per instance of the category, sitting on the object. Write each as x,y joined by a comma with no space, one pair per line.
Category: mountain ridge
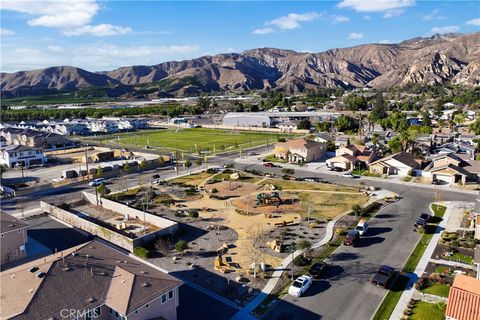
440,59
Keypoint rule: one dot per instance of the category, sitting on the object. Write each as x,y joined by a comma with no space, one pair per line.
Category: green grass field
194,140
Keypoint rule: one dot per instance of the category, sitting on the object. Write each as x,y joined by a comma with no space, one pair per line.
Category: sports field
194,140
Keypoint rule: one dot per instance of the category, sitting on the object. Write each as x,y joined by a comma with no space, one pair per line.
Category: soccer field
195,139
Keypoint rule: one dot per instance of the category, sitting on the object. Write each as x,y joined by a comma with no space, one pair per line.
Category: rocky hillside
436,60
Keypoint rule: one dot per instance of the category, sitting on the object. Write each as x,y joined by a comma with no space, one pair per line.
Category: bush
214,190
141,252
181,246
300,261
193,213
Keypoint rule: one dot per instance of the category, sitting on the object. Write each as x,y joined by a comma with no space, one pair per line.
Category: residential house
463,299
401,163
103,126
3,142
342,141
89,281
323,137
457,147
352,156
15,155
300,150
14,238
453,168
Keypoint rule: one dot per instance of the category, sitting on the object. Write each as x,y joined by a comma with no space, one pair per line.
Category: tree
143,164
357,209
475,127
181,246
304,125
188,163
344,123
103,190
288,171
375,138
379,111
253,242
304,245
99,172
126,167
395,144
426,120
198,162
459,119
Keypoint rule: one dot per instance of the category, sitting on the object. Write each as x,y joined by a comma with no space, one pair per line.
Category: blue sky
103,35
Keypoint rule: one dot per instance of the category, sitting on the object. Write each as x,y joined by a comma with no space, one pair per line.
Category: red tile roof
464,299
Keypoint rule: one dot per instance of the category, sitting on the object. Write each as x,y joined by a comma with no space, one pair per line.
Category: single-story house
463,299
451,168
400,163
352,156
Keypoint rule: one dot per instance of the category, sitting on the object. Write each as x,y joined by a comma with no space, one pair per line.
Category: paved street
344,291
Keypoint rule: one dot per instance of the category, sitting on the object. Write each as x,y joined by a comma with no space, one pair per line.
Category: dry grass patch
193,179
329,205
299,185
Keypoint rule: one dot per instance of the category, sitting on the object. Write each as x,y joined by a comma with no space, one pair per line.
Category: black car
384,276
425,217
317,269
420,225
352,238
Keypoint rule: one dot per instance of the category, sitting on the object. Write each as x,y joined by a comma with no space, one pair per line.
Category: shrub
181,245
300,261
193,213
141,252
214,190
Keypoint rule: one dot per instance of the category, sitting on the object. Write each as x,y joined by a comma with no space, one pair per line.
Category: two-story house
89,281
300,150
18,155
13,238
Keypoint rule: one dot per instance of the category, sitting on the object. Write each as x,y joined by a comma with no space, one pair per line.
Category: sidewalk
422,264
245,312
315,167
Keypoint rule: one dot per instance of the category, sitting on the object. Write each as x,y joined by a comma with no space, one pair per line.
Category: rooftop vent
31,290
145,284
75,254
143,272
33,269
102,273
66,268
11,225
91,299
12,276
40,274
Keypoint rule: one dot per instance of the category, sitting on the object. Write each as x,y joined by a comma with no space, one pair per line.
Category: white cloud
473,22
54,13
393,13
100,30
385,41
72,17
340,19
55,49
355,36
367,18
230,50
375,5
6,32
263,31
443,30
292,20
434,15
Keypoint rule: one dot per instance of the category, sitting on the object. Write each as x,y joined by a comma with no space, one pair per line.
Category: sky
104,35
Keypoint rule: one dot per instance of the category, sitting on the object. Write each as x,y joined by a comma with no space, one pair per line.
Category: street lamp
292,250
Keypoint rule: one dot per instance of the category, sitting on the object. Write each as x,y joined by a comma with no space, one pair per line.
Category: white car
96,182
348,175
300,286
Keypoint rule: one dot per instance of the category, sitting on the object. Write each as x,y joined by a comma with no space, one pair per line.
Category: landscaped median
391,299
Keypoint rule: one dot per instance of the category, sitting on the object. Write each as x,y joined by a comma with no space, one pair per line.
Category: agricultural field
193,140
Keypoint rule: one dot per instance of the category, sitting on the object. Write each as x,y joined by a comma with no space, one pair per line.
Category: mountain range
440,59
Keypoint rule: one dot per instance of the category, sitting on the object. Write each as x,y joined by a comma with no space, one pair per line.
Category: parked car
300,286
251,153
314,179
352,238
96,182
420,225
384,276
269,165
348,175
317,269
435,181
362,227
426,217
335,169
